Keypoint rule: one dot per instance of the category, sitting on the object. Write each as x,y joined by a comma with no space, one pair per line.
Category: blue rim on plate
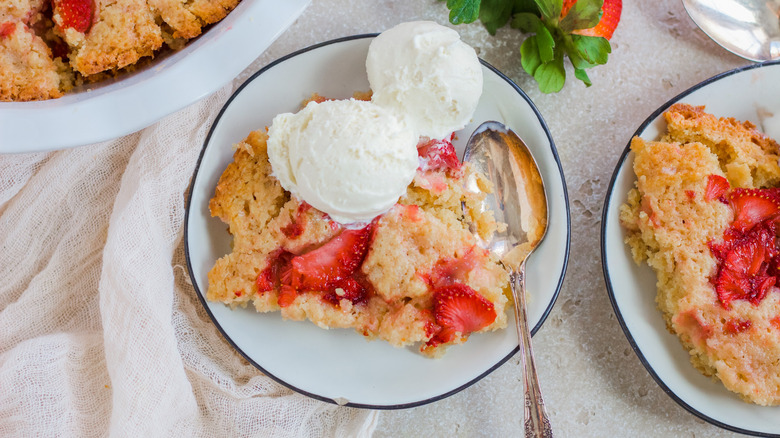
605,223
201,294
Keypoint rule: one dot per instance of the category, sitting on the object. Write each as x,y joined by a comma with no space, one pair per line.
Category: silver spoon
747,28
518,200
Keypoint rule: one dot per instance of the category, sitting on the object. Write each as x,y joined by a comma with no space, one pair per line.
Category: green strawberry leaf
551,75
583,15
550,9
529,55
550,37
526,22
546,44
494,14
525,6
574,56
595,50
463,11
583,76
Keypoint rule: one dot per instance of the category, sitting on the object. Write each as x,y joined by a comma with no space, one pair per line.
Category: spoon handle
537,424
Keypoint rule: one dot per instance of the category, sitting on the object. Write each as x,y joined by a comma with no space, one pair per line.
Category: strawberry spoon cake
349,215
705,215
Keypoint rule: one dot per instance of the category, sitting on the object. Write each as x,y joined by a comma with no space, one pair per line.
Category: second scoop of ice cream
426,75
348,158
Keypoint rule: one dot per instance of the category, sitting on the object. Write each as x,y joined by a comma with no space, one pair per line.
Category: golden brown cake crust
122,32
27,71
411,244
671,222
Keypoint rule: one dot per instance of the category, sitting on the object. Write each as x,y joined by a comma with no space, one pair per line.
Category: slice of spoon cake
413,276
705,216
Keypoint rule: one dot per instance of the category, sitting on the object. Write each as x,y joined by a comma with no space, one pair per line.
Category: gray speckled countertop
593,382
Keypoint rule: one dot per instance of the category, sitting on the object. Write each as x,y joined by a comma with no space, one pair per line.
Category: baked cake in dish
413,275
705,215
48,46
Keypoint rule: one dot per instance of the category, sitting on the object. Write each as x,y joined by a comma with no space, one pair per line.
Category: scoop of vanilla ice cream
348,158
426,75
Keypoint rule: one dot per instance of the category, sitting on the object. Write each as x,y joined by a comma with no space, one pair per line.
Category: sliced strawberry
750,255
734,326
270,278
752,206
438,155
325,267
731,286
75,14
744,265
7,29
716,187
610,18
459,310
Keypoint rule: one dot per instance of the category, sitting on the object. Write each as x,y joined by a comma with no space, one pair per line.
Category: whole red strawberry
610,18
75,14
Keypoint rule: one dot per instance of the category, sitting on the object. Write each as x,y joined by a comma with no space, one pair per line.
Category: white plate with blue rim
748,93
339,365
132,101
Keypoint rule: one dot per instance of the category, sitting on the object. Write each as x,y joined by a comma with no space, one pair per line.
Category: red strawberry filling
438,155
75,14
270,278
332,269
453,270
716,187
748,262
7,29
295,228
459,310
734,326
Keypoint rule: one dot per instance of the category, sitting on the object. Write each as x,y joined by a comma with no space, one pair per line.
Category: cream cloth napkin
101,332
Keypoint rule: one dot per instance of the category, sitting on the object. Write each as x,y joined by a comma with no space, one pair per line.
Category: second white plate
745,94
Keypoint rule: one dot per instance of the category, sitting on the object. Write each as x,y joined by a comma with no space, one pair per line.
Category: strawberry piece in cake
459,310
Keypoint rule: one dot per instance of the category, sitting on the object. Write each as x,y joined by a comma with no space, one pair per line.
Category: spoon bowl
747,28
518,200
